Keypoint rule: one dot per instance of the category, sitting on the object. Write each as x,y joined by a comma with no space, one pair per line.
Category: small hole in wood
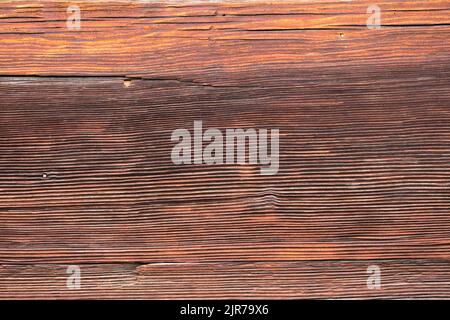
126,83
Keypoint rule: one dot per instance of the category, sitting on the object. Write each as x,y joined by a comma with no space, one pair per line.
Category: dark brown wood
86,176
263,280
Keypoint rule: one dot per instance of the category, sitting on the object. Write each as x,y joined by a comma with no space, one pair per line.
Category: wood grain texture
85,170
261,280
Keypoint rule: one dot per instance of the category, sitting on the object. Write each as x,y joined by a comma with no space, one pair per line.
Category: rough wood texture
86,176
262,280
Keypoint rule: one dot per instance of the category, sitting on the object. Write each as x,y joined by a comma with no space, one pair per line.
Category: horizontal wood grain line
261,280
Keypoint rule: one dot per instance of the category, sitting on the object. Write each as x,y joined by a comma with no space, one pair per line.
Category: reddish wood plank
85,170
262,280
219,44
364,170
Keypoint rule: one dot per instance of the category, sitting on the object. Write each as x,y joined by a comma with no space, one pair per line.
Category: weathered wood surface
86,176
263,280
